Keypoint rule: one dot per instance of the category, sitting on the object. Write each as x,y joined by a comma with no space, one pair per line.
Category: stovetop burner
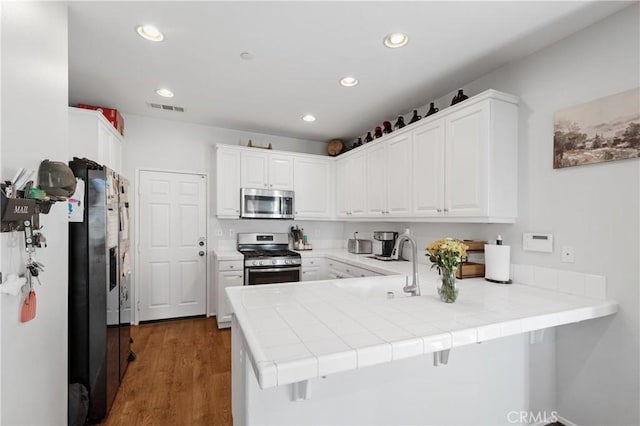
262,250
269,253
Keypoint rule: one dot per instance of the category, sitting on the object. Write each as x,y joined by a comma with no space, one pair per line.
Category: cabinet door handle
271,186
446,210
439,210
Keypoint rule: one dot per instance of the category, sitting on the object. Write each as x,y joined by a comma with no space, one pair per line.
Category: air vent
165,107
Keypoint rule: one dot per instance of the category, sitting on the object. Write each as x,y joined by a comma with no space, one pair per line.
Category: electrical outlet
218,232
568,254
232,232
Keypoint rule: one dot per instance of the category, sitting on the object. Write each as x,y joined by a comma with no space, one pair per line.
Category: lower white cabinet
339,270
228,273
313,269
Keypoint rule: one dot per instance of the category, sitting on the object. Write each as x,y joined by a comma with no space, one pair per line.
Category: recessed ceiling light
349,81
149,32
395,40
309,118
247,56
165,93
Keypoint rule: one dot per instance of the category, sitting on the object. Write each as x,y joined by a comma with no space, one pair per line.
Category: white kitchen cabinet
313,178
227,182
351,184
389,172
339,270
428,169
313,269
459,165
266,170
377,180
465,161
92,136
228,273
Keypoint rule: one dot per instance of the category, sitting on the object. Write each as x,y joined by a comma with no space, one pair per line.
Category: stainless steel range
267,259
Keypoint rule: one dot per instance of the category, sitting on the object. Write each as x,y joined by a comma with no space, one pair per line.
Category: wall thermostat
533,241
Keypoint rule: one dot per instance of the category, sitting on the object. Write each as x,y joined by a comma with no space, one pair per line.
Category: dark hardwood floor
182,376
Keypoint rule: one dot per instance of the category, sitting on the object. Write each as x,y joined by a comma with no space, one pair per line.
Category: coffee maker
388,240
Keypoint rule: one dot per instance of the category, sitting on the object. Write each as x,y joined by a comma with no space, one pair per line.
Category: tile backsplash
594,286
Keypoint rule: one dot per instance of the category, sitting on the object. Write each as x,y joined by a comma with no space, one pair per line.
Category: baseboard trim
566,422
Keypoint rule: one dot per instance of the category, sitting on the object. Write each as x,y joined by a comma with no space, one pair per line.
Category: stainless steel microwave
266,204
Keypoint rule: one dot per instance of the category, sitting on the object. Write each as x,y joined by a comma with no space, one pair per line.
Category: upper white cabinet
459,165
227,182
376,184
312,185
92,136
465,162
428,169
351,181
266,170
389,180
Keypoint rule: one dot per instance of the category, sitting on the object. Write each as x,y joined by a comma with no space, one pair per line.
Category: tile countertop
299,331
227,254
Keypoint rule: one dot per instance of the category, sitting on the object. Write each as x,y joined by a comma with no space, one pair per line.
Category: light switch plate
534,241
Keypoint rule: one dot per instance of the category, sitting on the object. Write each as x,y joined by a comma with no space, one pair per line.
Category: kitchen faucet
414,288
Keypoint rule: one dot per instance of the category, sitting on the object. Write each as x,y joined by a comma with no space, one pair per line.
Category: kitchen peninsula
359,351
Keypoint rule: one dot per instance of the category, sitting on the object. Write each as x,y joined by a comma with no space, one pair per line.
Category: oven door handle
295,268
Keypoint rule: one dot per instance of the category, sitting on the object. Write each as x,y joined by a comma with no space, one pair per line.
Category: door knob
201,253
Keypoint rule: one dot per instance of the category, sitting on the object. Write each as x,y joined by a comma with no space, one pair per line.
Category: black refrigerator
95,293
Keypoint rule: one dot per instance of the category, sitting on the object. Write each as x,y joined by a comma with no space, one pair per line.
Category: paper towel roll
497,263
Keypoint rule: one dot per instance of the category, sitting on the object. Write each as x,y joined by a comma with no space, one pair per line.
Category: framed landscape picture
605,129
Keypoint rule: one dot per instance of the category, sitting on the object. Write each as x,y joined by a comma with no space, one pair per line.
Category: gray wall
594,208
34,127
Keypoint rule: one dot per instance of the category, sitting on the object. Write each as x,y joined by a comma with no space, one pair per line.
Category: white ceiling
301,50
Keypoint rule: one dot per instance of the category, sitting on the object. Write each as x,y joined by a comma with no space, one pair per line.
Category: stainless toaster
358,246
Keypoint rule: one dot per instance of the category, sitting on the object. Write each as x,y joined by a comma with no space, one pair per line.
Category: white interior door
172,245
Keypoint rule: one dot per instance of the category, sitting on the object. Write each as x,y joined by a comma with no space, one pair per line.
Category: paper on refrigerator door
75,203
112,228
126,264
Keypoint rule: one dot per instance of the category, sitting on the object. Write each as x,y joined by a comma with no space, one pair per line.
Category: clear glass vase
447,289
